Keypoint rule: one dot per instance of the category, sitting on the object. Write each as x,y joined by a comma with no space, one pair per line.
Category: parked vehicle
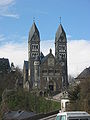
75,115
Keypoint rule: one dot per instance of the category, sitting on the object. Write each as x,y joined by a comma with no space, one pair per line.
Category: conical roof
33,30
60,30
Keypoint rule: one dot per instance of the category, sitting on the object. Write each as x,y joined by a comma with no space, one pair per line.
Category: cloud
12,15
78,53
5,9
6,2
2,37
11,39
69,37
78,56
16,53
46,45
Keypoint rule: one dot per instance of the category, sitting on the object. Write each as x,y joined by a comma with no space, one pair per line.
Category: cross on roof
33,19
60,19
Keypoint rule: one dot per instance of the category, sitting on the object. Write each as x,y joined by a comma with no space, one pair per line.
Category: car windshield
58,118
61,117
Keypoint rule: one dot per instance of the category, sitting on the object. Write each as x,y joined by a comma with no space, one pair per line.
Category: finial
50,51
33,19
60,19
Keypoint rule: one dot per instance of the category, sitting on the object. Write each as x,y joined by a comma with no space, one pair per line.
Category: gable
48,60
51,61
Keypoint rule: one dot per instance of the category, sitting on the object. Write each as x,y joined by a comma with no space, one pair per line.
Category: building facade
46,72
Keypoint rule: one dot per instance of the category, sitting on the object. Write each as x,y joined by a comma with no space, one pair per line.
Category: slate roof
33,30
41,56
18,115
4,65
60,30
46,57
26,64
84,74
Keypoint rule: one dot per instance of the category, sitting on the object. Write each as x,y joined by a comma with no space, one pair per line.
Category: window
62,47
57,71
50,71
44,71
62,56
62,117
58,118
35,54
35,47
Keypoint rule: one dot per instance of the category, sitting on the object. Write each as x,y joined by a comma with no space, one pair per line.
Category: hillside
20,100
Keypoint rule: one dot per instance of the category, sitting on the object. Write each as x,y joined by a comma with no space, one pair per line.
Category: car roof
74,113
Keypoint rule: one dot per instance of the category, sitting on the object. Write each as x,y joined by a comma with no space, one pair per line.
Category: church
46,72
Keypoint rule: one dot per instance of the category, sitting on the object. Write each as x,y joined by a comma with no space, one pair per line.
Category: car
73,115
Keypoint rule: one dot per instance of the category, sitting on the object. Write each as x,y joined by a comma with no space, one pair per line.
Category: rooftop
33,30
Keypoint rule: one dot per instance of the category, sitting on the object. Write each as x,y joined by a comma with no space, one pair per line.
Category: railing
52,117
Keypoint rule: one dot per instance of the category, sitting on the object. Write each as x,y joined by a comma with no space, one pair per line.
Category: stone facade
50,73
46,72
61,53
33,52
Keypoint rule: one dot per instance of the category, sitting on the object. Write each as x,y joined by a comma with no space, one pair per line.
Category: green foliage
80,96
74,93
30,102
8,80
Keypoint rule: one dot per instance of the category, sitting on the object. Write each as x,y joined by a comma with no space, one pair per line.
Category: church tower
61,54
33,53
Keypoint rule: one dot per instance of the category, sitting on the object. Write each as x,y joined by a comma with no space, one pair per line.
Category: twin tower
46,72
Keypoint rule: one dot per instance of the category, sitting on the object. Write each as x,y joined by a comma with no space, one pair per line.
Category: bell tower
61,54
33,52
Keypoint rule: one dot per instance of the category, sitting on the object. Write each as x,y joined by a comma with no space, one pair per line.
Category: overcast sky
16,19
